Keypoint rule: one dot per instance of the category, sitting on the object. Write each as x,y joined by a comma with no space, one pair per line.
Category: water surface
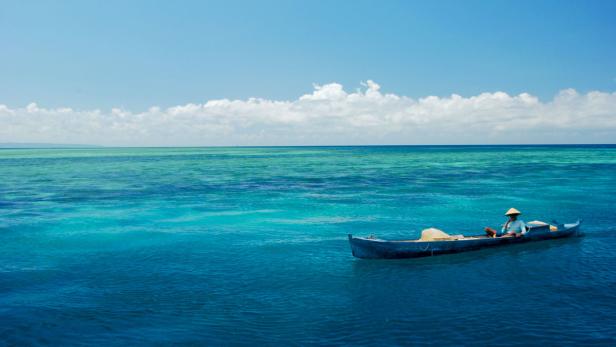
248,246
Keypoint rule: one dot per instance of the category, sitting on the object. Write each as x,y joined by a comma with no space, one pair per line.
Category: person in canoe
513,227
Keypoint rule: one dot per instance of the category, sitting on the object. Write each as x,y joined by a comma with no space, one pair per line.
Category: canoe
375,248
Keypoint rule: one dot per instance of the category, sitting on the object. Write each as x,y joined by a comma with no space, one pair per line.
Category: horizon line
86,146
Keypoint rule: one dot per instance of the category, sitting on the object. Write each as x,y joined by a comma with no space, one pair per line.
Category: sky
197,73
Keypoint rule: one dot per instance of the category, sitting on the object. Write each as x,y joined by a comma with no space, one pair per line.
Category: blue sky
154,73
135,54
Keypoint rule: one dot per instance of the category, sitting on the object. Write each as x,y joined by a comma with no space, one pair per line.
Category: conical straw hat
512,211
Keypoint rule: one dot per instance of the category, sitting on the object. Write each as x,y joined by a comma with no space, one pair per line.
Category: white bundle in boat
434,234
540,223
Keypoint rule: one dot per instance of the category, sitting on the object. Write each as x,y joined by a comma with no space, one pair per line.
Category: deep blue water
247,246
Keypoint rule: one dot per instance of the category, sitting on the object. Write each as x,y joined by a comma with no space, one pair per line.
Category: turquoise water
248,246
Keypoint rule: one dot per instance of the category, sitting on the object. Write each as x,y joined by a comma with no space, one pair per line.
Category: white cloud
329,116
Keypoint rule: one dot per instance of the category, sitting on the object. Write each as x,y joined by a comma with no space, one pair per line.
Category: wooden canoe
375,248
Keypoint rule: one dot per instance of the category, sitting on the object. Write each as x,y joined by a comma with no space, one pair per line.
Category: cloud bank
329,116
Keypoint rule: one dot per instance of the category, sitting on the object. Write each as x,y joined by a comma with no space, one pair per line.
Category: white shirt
517,226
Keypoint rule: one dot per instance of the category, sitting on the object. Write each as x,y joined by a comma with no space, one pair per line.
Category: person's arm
523,227
504,228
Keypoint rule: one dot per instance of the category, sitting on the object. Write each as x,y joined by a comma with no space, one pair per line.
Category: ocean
248,246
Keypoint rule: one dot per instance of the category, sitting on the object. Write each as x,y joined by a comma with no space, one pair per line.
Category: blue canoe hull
370,248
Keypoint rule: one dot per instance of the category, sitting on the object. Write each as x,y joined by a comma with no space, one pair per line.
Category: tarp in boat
540,223
432,234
